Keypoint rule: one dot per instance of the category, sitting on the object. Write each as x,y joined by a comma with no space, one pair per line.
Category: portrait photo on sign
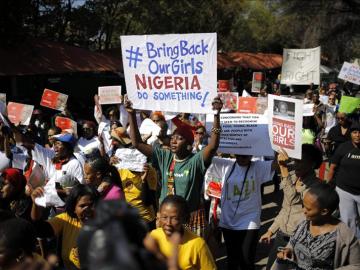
284,109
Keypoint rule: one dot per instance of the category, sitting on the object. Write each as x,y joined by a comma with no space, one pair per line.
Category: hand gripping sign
174,73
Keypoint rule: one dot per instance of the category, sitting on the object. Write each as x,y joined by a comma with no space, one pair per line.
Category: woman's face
341,118
91,176
283,108
170,220
355,136
60,150
311,208
88,131
84,208
6,190
178,144
200,135
51,138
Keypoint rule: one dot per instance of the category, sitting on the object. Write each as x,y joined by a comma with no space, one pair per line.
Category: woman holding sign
182,171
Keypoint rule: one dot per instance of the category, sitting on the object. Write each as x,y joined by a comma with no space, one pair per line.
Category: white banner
285,124
301,66
243,134
350,72
174,73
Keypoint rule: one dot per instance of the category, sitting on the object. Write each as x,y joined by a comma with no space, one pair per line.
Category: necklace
180,160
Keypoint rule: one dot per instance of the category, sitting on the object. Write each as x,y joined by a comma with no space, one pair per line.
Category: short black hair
76,193
326,196
180,203
312,153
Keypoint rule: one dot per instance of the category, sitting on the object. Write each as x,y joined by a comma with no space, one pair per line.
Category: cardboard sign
130,159
174,73
349,104
19,113
54,100
230,101
257,82
110,94
224,86
65,123
243,134
350,72
301,66
285,124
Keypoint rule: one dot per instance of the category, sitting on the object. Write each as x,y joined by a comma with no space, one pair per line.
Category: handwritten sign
257,82
285,124
110,94
230,101
243,134
301,66
130,159
19,113
174,73
350,72
53,100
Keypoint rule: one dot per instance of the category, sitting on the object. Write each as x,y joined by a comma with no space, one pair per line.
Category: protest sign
349,104
65,123
301,66
148,127
110,94
257,82
130,159
224,86
2,103
230,100
247,105
243,134
308,109
53,100
285,124
19,113
50,196
350,72
174,73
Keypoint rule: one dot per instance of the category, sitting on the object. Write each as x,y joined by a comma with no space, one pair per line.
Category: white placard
243,134
131,159
350,72
149,127
301,66
308,109
285,124
50,198
110,94
174,73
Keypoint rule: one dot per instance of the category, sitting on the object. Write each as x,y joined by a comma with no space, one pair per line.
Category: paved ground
270,208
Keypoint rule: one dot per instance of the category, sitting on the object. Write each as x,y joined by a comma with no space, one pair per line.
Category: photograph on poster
284,109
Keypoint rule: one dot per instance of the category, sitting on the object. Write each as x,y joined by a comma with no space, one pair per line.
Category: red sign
283,133
65,123
247,105
53,100
224,85
19,113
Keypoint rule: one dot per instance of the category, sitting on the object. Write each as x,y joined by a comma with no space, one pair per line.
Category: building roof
256,61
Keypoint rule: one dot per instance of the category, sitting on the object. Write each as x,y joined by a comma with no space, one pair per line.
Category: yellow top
131,182
69,228
193,251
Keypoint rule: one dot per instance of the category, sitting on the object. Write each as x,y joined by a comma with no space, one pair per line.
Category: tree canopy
241,25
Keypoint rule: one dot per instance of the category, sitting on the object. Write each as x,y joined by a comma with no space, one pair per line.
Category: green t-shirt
188,175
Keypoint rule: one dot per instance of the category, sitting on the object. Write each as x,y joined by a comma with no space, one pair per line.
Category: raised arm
135,137
211,148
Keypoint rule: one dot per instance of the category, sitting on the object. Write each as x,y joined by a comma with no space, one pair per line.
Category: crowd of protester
66,203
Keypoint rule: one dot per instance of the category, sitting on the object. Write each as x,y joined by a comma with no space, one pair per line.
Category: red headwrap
186,132
15,178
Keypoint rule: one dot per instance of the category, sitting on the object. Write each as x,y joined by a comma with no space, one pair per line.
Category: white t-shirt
247,214
43,156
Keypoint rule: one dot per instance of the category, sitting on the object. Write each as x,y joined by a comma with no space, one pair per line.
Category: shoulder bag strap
242,188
